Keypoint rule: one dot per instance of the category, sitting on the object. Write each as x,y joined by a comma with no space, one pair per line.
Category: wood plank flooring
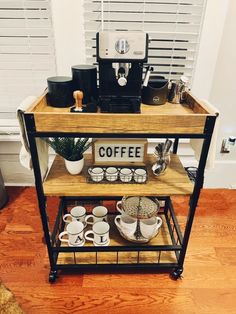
208,285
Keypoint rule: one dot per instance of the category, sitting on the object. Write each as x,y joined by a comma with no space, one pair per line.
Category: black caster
177,273
52,276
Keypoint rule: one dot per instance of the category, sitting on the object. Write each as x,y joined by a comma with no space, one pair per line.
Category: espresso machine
120,56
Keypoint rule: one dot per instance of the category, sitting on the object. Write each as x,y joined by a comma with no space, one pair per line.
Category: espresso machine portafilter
120,56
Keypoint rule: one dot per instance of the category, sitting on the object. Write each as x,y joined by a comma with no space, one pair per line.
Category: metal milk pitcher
177,90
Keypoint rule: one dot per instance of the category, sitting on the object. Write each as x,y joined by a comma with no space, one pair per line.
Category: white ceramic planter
74,167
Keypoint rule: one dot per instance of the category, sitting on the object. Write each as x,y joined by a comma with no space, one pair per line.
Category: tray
169,118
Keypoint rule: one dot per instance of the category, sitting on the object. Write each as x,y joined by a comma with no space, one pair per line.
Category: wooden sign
119,152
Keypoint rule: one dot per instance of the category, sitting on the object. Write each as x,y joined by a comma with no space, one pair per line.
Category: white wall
224,86
210,41
68,34
215,81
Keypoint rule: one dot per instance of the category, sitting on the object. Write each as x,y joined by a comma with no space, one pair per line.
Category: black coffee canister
156,91
85,79
60,91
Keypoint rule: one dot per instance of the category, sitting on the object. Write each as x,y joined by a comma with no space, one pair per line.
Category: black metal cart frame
179,241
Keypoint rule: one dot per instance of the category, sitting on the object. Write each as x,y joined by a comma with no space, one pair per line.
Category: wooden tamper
78,96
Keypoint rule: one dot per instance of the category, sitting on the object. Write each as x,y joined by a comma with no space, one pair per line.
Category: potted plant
71,149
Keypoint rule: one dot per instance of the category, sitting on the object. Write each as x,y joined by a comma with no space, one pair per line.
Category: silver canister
177,90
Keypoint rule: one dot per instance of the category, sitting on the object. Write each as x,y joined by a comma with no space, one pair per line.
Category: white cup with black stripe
75,234
77,213
100,232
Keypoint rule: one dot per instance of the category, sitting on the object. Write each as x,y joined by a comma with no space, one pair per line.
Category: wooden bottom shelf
93,258
122,257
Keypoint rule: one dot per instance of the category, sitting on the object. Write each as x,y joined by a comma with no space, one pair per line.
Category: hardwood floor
208,286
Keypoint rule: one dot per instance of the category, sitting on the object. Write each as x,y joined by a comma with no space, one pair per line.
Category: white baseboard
19,184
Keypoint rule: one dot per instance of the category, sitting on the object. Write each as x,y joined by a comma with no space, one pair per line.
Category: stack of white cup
149,227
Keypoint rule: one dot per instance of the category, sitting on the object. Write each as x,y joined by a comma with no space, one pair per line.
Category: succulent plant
70,148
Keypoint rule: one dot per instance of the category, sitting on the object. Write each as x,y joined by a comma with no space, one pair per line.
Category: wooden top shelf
173,182
165,119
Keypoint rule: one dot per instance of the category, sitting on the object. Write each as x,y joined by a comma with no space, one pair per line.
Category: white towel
197,143
42,146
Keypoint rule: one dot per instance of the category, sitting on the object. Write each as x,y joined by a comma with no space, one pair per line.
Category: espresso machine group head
120,56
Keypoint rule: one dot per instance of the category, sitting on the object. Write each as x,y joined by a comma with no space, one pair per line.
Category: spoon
159,149
157,169
167,146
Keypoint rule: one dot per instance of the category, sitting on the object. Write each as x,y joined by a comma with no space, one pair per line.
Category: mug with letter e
76,213
99,213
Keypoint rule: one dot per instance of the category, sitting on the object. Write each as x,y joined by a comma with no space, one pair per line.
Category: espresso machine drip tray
120,104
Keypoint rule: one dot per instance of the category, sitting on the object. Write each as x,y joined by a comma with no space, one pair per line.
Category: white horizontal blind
173,25
27,54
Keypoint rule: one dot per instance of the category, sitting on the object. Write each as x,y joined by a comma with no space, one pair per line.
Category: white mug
126,223
120,209
111,174
96,174
149,227
76,213
99,213
100,233
140,175
126,175
75,233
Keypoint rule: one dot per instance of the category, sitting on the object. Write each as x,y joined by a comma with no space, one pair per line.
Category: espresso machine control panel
122,45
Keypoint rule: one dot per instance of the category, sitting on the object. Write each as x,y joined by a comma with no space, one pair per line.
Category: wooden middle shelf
173,182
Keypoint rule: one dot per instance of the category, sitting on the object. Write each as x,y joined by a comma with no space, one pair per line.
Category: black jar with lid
85,79
60,91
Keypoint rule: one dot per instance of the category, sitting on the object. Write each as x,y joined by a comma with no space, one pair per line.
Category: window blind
27,55
173,26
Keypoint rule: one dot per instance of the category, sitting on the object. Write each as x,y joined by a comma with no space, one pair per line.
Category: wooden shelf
173,182
165,119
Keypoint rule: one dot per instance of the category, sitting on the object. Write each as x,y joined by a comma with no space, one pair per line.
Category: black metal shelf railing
171,225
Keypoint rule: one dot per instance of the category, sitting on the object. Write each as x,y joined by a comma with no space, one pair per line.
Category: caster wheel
177,273
52,276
